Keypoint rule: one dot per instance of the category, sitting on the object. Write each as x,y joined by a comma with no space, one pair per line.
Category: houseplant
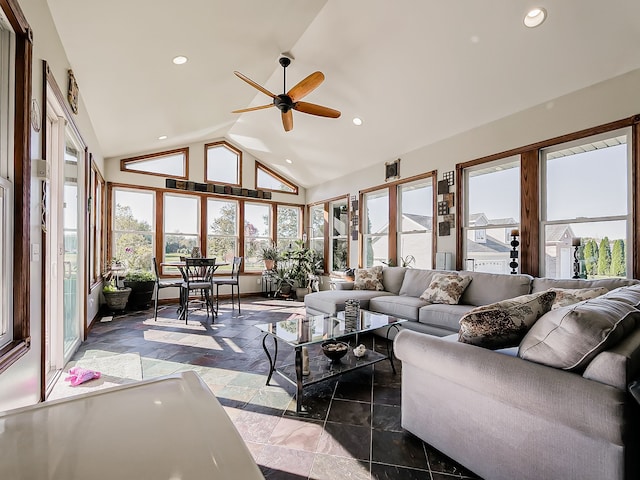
303,263
283,281
269,255
114,297
142,284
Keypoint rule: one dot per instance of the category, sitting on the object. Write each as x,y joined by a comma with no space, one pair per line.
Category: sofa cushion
504,324
446,288
569,296
332,301
493,287
369,279
630,295
541,284
443,316
392,278
404,307
570,337
619,365
416,281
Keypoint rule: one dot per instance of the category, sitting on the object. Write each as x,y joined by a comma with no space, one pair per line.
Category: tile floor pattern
353,428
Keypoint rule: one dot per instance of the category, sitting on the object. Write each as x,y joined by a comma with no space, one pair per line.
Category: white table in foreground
172,428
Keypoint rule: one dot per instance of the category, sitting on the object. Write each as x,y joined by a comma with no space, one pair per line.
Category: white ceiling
416,71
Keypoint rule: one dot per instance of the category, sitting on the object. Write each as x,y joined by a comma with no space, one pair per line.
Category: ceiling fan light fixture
180,60
535,17
357,121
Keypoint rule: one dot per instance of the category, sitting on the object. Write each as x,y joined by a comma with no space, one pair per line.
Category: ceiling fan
286,102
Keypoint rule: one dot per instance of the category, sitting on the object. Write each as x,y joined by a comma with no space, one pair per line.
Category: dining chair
233,281
160,284
198,276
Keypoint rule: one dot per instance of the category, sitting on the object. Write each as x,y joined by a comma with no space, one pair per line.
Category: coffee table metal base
320,367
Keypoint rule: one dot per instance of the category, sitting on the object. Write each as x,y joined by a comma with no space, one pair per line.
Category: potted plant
114,297
283,281
303,262
142,284
269,255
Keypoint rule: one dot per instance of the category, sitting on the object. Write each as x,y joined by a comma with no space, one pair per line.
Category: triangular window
267,179
172,163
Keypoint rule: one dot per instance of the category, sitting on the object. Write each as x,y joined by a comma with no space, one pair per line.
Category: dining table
180,264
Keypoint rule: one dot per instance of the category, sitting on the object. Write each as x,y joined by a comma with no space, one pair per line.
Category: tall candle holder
576,260
514,251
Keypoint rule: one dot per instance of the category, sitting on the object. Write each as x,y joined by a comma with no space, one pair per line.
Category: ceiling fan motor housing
283,102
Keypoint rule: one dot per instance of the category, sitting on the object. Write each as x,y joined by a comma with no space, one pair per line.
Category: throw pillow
569,296
446,288
504,324
369,279
570,337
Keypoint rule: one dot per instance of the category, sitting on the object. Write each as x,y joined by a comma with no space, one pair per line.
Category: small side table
268,284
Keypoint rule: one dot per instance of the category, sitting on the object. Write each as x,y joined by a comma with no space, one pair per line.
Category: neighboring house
418,244
558,254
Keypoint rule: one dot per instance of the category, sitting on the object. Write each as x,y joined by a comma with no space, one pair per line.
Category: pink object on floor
78,375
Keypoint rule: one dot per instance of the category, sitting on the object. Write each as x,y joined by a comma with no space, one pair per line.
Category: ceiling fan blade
251,109
287,120
306,86
314,109
254,84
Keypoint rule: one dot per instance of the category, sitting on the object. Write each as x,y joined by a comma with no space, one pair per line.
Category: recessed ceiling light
288,161
179,60
357,121
535,17
162,137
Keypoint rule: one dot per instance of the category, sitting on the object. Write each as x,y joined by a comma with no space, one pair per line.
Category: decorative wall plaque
392,170
72,92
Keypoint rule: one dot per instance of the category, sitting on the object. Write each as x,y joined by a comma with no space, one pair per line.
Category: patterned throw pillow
446,288
369,279
569,296
504,324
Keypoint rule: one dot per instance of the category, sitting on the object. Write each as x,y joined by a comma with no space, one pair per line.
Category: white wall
20,384
605,102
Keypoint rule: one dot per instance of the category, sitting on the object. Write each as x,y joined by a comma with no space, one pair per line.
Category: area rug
117,369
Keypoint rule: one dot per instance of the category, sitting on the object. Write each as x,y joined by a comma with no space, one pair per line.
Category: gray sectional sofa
499,415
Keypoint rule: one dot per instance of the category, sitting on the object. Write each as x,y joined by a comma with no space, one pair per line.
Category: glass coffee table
302,331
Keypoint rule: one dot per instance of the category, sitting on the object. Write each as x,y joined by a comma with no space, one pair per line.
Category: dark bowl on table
334,350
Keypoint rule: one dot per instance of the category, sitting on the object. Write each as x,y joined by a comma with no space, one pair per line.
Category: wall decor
36,115
212,188
72,92
392,170
449,218
443,187
443,208
444,229
450,199
449,177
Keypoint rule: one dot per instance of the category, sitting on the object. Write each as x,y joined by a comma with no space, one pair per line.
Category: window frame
400,232
627,218
97,224
151,156
365,234
269,238
323,207
465,227
223,144
298,236
163,215
268,171
331,237
19,97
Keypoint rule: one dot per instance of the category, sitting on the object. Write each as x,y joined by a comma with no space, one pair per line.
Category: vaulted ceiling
415,71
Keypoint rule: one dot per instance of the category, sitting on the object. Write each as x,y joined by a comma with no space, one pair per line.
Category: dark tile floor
353,428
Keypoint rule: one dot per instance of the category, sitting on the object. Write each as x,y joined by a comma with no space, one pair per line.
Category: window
415,223
492,210
267,179
223,163
6,266
257,234
173,163
133,228
222,230
375,227
338,238
570,172
288,228
316,229
181,226
96,223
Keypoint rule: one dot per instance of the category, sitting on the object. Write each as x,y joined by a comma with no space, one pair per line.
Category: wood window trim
329,226
530,191
392,188
99,269
149,156
288,183
22,185
235,150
